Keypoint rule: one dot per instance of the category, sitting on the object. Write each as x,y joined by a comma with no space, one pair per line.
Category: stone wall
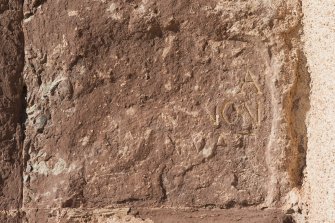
166,110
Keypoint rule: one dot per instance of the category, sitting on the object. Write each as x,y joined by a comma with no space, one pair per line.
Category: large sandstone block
151,103
164,107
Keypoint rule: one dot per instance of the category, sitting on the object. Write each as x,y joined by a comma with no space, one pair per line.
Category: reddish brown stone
145,103
150,104
11,104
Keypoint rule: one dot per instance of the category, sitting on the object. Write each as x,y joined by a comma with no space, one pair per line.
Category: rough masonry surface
151,104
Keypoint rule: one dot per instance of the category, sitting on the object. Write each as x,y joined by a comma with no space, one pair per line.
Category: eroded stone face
149,103
11,106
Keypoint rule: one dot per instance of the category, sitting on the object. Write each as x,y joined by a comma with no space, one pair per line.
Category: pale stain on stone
113,10
168,86
44,169
72,13
169,41
84,141
131,111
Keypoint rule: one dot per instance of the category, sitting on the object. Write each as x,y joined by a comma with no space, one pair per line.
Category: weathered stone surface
69,215
12,216
184,106
156,102
158,215
215,216
11,105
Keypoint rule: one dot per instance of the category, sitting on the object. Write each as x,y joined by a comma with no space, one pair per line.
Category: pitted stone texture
11,105
148,103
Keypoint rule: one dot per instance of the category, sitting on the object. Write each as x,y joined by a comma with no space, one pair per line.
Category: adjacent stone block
11,107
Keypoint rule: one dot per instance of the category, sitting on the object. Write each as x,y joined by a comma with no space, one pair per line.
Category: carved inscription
244,105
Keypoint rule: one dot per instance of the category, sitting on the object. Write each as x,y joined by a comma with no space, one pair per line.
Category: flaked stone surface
150,103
